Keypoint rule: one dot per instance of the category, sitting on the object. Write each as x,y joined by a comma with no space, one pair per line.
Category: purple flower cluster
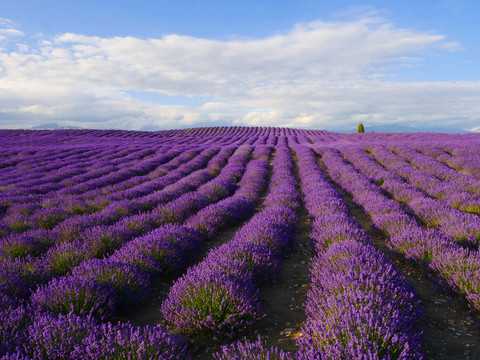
251,351
463,227
14,321
182,180
72,227
122,279
163,250
60,201
73,337
458,157
234,208
359,306
82,296
452,185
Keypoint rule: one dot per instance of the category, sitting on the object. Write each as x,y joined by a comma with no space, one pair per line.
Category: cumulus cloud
324,74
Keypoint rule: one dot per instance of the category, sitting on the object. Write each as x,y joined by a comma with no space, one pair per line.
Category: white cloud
320,74
7,30
7,33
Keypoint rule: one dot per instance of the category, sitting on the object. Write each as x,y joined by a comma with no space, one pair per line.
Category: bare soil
285,296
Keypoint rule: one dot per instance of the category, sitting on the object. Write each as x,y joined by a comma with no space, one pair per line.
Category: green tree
361,129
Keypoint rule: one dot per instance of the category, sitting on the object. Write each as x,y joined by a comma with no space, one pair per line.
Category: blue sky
176,64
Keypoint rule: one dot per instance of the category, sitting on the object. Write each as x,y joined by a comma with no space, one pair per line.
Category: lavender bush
75,294
251,351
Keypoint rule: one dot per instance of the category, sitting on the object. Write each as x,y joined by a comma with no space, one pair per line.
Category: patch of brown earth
285,296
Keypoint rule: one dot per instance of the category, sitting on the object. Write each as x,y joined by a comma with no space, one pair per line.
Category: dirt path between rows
284,297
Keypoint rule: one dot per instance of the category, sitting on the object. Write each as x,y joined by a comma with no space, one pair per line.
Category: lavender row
25,163
98,173
102,287
99,198
233,209
97,163
20,274
156,147
428,183
457,267
82,141
27,333
45,182
72,175
37,242
183,179
72,165
156,179
176,183
461,159
456,156
459,169
32,215
461,227
359,306
443,182
241,350
220,295
53,210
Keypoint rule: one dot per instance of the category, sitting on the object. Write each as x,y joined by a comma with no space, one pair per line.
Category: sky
155,65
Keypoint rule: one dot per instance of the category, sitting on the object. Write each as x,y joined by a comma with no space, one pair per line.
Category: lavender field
239,243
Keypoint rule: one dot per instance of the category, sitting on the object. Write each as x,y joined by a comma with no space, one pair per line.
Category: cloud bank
324,74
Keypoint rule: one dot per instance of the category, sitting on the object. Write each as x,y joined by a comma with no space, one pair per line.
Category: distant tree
361,129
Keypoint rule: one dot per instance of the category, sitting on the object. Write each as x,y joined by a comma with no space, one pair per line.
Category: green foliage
361,128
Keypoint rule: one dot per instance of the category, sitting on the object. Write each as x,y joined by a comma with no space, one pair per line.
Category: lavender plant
251,351
75,294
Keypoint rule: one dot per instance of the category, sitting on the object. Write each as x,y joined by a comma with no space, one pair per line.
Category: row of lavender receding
456,266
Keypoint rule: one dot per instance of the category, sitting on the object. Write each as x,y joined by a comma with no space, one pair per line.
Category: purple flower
251,351
13,324
126,341
128,282
75,294
58,337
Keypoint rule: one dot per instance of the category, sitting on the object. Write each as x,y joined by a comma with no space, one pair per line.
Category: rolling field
239,243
